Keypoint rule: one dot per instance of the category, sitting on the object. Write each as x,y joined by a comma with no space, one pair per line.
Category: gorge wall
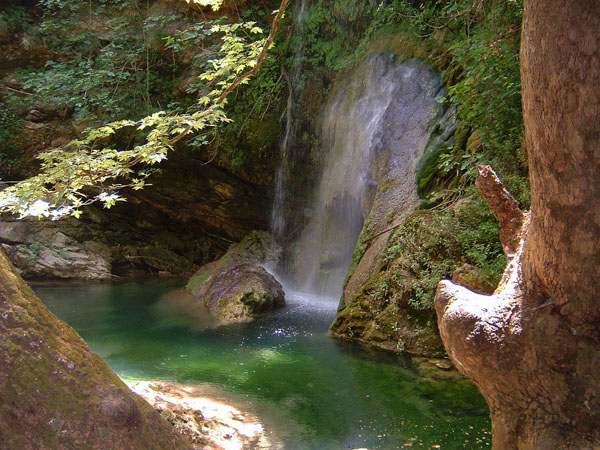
203,199
376,126
213,193
423,220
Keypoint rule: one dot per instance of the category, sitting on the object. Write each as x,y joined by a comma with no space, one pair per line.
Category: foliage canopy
94,169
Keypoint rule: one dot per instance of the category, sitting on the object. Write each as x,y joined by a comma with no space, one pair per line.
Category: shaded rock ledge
46,253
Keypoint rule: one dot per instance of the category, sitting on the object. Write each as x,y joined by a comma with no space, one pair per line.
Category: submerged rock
236,288
198,413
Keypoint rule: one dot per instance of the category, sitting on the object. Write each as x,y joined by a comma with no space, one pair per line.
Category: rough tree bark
55,393
533,348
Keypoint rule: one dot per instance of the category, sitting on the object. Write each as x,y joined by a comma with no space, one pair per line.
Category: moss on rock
236,288
394,308
55,392
242,292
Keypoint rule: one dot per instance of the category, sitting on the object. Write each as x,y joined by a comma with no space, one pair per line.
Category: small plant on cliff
479,43
430,246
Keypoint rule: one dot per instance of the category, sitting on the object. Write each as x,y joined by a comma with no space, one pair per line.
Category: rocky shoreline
204,418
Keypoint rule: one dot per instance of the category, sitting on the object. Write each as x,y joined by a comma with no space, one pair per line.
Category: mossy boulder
200,282
257,248
391,329
236,287
241,292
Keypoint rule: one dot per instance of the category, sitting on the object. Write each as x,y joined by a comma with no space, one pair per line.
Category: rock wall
40,252
56,393
412,122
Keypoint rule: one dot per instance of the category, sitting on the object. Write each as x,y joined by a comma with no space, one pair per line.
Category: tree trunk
533,348
55,393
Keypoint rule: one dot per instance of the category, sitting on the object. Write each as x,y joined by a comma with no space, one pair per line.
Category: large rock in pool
240,292
236,288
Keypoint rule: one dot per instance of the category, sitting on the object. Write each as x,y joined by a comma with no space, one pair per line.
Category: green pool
312,391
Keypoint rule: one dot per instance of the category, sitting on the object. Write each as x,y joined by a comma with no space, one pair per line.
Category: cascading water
374,126
283,179
351,134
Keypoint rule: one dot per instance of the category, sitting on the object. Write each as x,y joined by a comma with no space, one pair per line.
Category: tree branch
262,55
504,206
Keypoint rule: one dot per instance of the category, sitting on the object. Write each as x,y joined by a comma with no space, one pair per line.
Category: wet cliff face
376,126
403,251
374,131
405,128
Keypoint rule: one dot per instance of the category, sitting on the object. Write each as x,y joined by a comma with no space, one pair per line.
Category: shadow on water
314,392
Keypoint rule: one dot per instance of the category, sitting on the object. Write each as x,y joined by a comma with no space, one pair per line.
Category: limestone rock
390,329
198,412
236,288
258,248
48,253
376,306
242,292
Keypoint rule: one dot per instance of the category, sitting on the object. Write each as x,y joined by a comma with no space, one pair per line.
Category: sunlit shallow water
311,391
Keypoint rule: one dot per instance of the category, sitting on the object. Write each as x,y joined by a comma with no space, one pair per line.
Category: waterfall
374,126
351,133
279,218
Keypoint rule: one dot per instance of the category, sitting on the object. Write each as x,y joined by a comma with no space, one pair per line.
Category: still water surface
311,391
